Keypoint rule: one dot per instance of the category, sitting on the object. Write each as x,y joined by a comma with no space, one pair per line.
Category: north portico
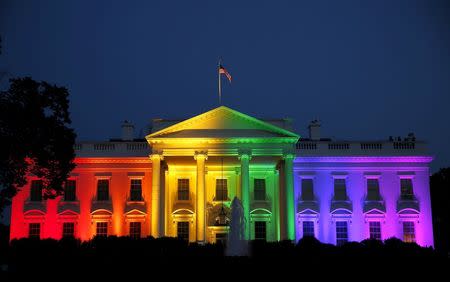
200,164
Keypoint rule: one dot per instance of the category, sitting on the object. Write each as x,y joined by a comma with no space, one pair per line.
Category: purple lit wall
391,210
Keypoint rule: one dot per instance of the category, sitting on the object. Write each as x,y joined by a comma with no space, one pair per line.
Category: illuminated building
180,182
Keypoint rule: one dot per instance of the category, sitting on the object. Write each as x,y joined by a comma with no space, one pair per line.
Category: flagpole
220,86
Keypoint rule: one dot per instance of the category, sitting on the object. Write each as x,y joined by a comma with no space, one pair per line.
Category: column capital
156,157
288,156
245,154
201,155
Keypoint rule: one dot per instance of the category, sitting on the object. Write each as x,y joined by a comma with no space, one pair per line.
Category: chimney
314,130
127,131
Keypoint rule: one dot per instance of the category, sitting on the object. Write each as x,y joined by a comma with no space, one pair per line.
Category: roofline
266,124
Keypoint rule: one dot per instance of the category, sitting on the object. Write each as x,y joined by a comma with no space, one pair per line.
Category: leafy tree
440,201
35,137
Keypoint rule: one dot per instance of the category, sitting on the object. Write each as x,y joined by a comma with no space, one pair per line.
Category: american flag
222,70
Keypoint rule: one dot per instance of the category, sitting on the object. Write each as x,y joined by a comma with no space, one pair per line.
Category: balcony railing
86,149
330,148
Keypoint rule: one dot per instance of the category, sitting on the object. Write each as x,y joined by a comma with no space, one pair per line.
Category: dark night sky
367,70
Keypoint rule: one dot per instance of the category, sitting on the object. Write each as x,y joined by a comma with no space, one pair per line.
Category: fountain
237,245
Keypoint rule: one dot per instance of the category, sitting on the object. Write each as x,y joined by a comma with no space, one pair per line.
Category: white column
245,191
200,157
156,195
290,199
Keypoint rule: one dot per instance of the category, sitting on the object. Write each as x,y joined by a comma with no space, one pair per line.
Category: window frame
74,193
224,196
183,226
186,189
258,231
32,234
103,227
259,192
108,180
341,240
136,191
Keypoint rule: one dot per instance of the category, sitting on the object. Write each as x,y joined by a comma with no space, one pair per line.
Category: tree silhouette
35,137
440,201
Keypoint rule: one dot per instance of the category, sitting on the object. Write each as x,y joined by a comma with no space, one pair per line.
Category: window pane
34,230
260,230
341,233
307,190
102,229
68,229
406,189
36,191
136,190
183,189
135,230
183,230
375,230
308,229
103,190
409,234
373,190
221,190
70,191
340,192
260,189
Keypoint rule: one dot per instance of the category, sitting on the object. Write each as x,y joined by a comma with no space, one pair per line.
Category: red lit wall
51,214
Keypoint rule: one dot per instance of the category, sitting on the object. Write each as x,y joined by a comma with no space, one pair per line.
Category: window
70,191
373,190
102,229
340,192
260,189
68,229
102,190
409,234
307,190
135,230
34,230
136,190
183,189
375,230
36,191
260,230
221,190
308,229
341,233
406,189
183,230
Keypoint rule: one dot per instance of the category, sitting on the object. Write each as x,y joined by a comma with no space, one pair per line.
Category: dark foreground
172,258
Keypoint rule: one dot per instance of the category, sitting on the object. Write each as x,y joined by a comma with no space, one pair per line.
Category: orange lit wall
53,213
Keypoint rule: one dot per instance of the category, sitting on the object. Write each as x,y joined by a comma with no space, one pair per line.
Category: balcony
101,205
410,203
261,204
69,205
341,204
303,205
35,205
183,202
374,205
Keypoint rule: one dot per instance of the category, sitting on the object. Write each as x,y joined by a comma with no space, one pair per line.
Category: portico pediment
223,124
